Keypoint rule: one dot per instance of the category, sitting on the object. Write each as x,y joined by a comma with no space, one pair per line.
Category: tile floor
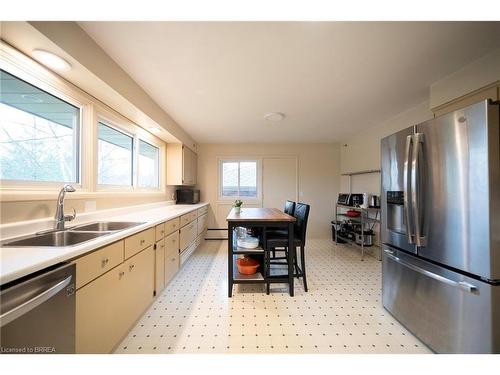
341,313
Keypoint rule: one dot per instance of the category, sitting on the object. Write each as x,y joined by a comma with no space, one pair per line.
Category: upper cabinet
489,92
181,165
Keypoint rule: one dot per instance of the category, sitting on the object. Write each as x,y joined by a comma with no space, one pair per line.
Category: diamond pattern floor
341,313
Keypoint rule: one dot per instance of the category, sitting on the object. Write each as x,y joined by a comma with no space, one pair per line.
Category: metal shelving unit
359,221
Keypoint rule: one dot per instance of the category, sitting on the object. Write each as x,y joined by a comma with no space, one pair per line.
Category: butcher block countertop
259,214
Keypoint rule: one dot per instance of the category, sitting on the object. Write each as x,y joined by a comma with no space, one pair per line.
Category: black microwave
187,196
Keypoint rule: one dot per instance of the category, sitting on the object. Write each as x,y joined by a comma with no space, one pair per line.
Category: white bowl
248,242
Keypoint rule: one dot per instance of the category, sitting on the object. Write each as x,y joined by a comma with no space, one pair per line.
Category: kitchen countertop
16,262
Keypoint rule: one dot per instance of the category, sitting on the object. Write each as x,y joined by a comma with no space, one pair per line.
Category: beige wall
362,152
29,210
318,178
474,76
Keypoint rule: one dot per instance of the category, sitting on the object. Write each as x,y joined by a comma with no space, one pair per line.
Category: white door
279,181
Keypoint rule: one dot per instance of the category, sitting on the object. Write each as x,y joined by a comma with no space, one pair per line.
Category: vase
237,210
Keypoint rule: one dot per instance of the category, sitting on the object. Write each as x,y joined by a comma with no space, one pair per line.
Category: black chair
289,208
279,238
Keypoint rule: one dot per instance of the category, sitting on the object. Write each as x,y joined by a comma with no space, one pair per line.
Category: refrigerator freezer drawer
449,312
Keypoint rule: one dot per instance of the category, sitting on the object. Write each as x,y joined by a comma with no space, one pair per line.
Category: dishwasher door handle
29,305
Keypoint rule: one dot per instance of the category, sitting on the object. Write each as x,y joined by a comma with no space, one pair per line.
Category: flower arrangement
237,206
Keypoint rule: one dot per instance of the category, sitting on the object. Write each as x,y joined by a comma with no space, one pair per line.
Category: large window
39,134
115,150
148,176
238,179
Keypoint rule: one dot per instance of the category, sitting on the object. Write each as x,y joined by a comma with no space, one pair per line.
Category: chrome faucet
60,217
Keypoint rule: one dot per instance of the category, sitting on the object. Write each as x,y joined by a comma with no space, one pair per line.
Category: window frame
24,67
116,121
119,129
158,163
78,140
239,160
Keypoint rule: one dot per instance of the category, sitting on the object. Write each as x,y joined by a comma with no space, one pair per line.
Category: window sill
10,195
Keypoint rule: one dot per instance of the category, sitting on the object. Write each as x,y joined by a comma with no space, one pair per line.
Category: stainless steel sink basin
54,239
105,226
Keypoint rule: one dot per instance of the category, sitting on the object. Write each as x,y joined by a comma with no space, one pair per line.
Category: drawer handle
173,259
121,274
173,240
105,262
131,267
162,231
143,241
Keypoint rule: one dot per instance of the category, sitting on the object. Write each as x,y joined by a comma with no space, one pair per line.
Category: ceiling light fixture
51,60
274,116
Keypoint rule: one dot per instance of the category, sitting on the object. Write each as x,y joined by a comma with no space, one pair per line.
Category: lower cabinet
171,256
160,266
188,234
107,307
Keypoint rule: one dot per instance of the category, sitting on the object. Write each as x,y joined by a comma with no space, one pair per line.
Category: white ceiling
331,79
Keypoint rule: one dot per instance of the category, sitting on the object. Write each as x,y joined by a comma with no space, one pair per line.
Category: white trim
91,110
220,160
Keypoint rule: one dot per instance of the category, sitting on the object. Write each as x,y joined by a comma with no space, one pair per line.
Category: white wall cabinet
182,164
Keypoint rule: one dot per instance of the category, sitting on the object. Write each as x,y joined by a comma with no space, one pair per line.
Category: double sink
70,236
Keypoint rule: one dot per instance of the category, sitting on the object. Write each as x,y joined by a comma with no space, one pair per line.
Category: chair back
289,208
301,215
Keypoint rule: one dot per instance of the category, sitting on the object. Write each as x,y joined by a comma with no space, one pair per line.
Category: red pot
247,266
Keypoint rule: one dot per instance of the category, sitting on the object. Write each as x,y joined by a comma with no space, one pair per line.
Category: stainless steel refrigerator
440,229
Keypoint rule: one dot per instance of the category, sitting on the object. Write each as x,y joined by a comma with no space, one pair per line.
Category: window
238,179
39,134
148,176
115,150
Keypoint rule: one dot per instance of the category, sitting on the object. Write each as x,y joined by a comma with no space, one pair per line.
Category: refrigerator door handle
406,192
458,284
418,140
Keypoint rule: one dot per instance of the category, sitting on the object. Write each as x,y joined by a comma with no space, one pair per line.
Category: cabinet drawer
193,215
202,210
187,235
160,231
171,226
139,241
185,219
95,264
202,223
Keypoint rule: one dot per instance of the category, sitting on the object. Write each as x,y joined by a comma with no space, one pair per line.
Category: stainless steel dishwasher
38,312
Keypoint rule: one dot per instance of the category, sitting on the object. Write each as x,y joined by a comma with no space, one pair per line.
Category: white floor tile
341,313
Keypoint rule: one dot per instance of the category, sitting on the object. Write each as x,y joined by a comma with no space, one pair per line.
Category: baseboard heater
216,234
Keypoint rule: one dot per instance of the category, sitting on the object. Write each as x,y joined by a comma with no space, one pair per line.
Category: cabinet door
160,266
171,256
202,223
194,167
100,323
186,166
140,279
187,235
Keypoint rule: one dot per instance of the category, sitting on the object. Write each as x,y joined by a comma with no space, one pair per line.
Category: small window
115,150
238,179
39,134
148,176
